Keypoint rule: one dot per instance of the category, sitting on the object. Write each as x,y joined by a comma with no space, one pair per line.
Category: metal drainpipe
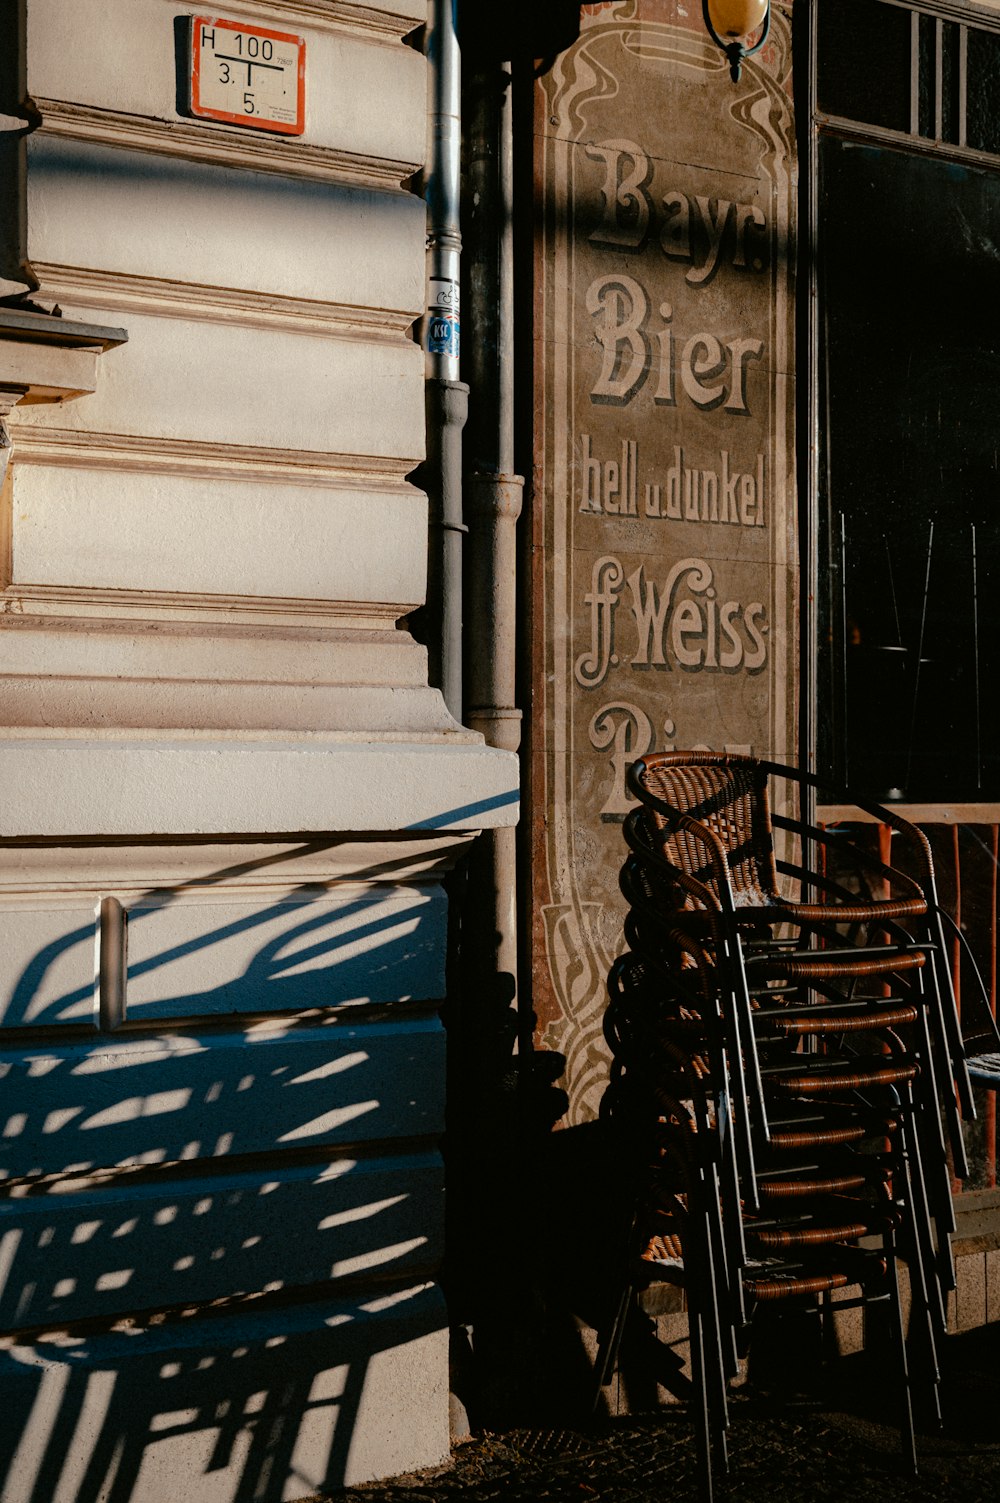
446,397
494,500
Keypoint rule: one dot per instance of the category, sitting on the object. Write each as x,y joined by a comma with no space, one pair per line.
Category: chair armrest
876,811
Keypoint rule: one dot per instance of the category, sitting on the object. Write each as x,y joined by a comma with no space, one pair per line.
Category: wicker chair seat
843,1076
796,1189
765,1290
821,1020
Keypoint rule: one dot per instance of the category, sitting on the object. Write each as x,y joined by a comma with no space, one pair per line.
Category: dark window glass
864,62
910,495
926,87
949,82
983,123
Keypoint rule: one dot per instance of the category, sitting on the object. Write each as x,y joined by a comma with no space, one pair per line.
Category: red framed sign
248,75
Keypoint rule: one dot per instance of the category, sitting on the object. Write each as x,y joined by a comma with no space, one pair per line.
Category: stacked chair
788,1073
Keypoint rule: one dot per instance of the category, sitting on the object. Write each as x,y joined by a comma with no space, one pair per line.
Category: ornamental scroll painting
664,607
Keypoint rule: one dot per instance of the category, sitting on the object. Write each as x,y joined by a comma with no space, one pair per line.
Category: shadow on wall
257,1408
220,1224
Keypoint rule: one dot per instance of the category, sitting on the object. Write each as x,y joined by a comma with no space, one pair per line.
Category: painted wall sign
664,520
248,75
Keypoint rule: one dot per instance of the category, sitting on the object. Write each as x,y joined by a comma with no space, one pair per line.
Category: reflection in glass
910,525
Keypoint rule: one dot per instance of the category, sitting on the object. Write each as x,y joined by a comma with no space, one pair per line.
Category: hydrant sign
247,75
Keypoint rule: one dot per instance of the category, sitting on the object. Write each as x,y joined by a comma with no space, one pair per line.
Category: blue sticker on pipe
443,333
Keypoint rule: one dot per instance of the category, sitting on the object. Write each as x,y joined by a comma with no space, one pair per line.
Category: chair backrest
729,795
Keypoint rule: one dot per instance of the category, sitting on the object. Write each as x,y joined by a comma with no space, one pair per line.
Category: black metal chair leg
607,1353
907,1436
700,1404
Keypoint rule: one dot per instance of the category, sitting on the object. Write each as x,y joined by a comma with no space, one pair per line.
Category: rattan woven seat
783,1189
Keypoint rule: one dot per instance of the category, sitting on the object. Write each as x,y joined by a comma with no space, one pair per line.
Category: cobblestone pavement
791,1450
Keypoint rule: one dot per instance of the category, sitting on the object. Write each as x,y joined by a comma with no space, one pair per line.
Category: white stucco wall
230,795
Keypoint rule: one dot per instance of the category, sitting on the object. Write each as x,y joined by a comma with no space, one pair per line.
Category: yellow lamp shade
737,18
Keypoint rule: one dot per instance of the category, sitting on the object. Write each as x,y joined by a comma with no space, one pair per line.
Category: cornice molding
382,864
111,787
117,606
206,141
119,292
190,457
334,15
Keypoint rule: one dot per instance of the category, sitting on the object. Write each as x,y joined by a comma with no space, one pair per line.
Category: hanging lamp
730,22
